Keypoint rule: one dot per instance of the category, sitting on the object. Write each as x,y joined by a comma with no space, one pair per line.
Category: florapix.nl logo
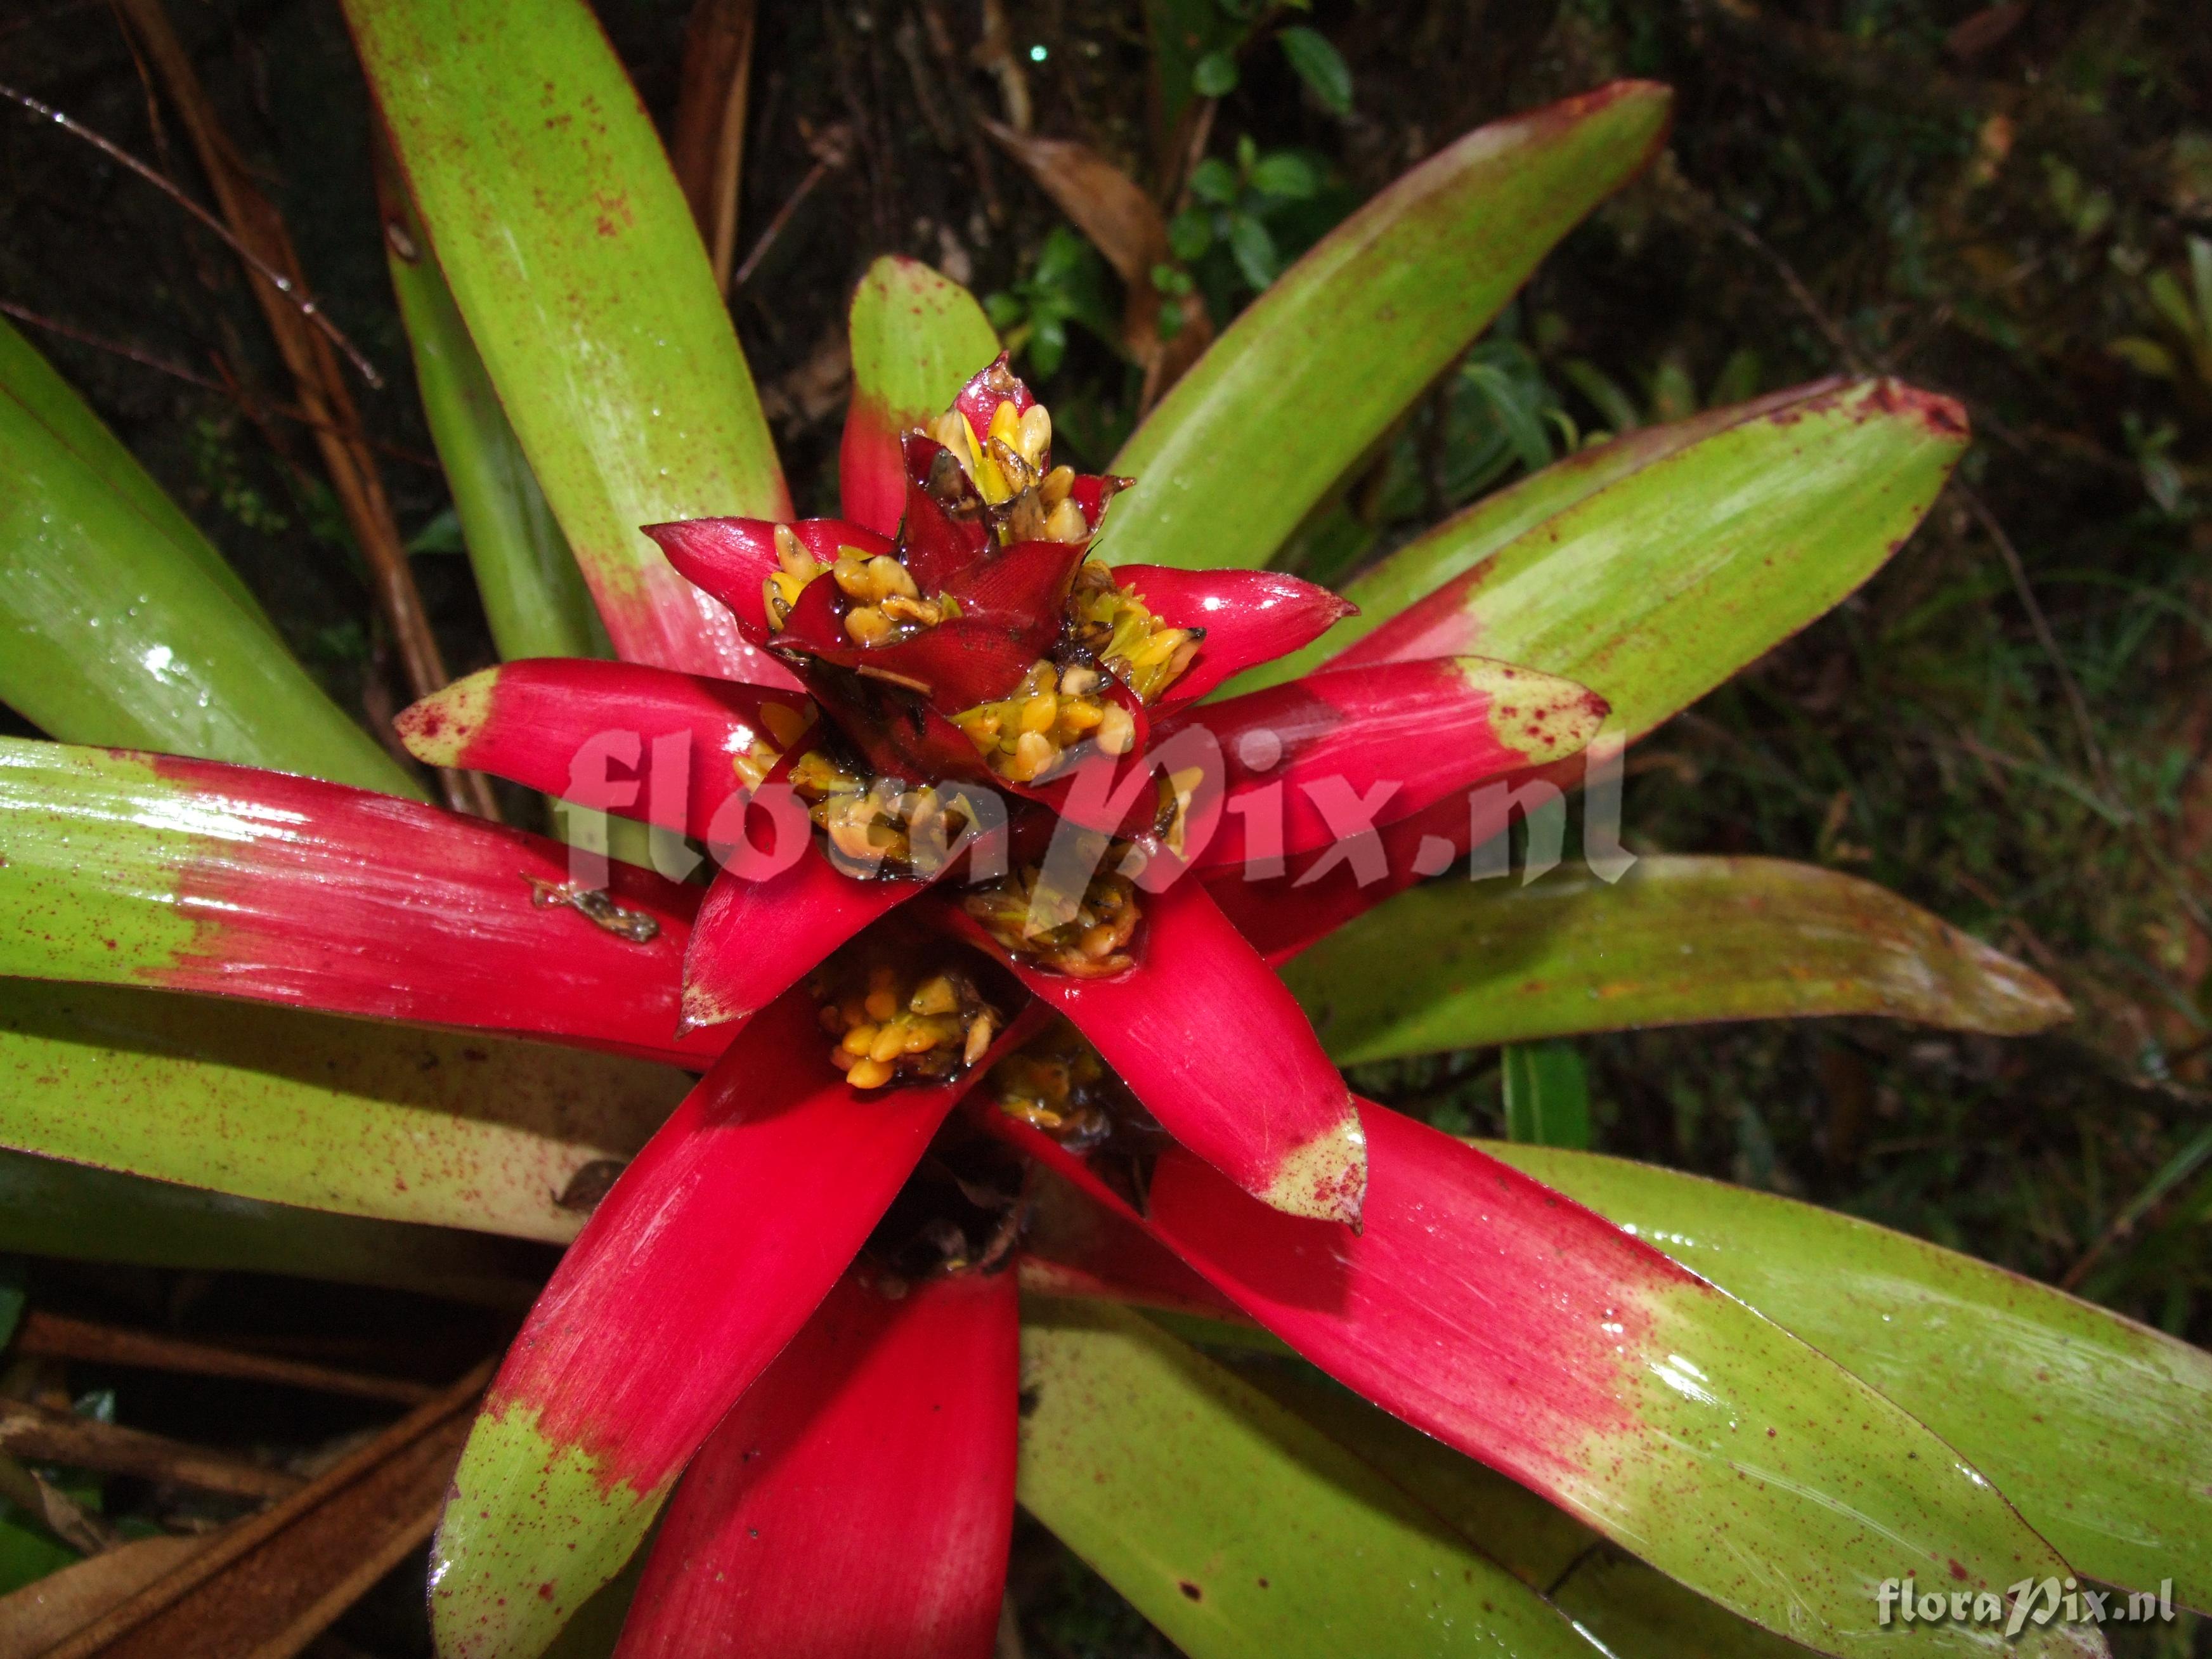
2036,1602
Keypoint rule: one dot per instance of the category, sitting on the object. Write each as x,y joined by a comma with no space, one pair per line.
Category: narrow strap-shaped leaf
52,1207
917,337
1785,512
756,940
1627,1605
2099,1430
1319,759
283,1106
1509,1322
54,403
1458,964
117,623
554,215
534,596
1514,1324
648,743
1546,1092
1464,540
1217,1050
1238,1529
140,870
1317,369
1654,590
860,1497
707,1257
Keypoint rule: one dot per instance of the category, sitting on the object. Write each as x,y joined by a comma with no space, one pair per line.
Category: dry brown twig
707,146
56,1336
267,1586
266,244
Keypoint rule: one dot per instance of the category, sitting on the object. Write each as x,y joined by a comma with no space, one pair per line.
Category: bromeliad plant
983,995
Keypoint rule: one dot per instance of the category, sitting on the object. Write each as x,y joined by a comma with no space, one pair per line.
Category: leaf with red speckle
917,338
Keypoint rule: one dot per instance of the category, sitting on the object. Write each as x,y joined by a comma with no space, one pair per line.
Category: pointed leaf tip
1325,1177
438,730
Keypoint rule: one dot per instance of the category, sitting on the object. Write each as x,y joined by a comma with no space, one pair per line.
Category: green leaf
55,403
120,624
1321,66
1312,372
1233,1526
1214,75
1286,174
1655,567
916,338
1547,1094
1630,1608
1457,964
2097,1429
553,213
50,1207
295,1108
1214,180
1254,249
534,596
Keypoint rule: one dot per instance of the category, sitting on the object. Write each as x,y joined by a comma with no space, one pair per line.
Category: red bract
982,701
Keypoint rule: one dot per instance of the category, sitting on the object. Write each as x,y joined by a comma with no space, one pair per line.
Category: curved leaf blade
2095,1426
574,261
52,1207
140,870
1463,541
916,338
120,624
1678,940
1323,362
281,1106
1238,1529
1512,1324
534,595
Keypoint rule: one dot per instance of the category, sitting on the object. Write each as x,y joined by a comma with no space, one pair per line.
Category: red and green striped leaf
2097,1430
189,876
1653,590
1459,964
551,209
1318,367
1506,1321
706,1258
917,338
859,1498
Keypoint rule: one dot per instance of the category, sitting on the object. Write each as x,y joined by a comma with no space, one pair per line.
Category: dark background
1996,203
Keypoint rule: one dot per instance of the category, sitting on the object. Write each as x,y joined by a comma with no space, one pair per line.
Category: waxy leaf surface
534,597
119,623
551,209
2099,1430
1458,965
1316,370
916,338
1239,1530
289,1107
857,1498
1508,1322
1472,535
52,1207
707,1257
140,870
